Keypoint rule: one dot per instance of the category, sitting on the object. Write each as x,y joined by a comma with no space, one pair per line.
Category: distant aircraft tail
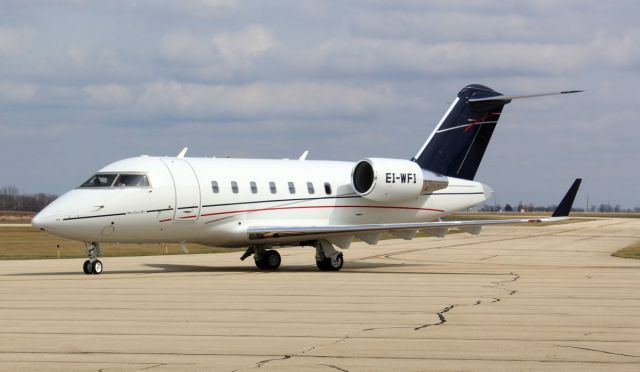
459,141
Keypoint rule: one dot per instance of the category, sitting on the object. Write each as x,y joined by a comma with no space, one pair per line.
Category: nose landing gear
93,265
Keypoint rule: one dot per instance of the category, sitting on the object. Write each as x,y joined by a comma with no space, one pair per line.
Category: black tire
270,261
329,264
273,260
86,267
261,264
336,263
96,267
322,265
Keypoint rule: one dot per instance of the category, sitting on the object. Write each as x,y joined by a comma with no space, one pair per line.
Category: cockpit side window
100,180
131,180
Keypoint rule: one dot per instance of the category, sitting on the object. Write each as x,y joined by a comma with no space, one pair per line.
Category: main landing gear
327,258
265,259
93,265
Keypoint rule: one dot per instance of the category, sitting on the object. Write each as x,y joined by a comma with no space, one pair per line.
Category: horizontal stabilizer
509,98
566,204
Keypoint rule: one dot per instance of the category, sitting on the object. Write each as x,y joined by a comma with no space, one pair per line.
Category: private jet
263,204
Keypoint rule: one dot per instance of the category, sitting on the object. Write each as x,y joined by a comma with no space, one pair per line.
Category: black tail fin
457,145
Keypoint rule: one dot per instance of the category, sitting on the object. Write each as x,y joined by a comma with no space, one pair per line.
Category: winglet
304,155
182,153
565,205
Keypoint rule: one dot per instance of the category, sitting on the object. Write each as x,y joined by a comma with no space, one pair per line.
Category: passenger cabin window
327,188
254,187
234,187
214,187
272,187
310,188
100,180
292,188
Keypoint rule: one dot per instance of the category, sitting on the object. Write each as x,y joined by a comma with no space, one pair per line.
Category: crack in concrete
327,344
488,257
594,333
263,362
334,367
442,319
440,316
153,366
598,351
498,285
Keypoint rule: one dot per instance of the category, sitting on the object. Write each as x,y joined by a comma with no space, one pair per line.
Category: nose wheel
93,265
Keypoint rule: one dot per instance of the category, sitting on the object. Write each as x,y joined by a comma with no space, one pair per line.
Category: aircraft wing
341,235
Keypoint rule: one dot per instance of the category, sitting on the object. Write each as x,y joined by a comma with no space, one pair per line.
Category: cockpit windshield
128,180
117,180
100,180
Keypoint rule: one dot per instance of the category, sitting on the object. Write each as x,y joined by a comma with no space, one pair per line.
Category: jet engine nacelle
390,180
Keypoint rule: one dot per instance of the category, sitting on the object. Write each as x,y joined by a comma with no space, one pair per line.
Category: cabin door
187,190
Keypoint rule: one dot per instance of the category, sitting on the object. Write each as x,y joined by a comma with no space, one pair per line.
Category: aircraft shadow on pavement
349,267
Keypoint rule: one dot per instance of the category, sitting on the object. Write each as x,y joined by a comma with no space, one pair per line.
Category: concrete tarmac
513,298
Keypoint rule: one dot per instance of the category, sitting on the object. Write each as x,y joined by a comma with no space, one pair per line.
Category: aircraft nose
44,221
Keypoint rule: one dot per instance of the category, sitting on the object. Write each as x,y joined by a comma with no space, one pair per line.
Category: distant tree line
602,208
12,200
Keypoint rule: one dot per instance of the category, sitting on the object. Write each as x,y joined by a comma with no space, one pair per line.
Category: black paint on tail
566,204
457,145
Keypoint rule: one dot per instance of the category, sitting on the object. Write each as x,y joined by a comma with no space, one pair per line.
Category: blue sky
85,83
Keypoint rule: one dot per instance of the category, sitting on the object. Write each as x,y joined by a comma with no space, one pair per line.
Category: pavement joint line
334,367
598,351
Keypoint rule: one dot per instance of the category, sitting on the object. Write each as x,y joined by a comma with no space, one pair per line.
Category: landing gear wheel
270,260
96,267
86,267
331,264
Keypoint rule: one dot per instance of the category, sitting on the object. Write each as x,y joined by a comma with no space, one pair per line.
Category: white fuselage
181,203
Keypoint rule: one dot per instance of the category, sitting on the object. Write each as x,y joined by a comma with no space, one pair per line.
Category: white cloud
185,48
296,99
251,42
371,56
206,8
10,92
109,95
14,41
436,26
222,56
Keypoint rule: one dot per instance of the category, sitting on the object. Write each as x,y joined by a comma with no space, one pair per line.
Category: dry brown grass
28,243
632,251
15,217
